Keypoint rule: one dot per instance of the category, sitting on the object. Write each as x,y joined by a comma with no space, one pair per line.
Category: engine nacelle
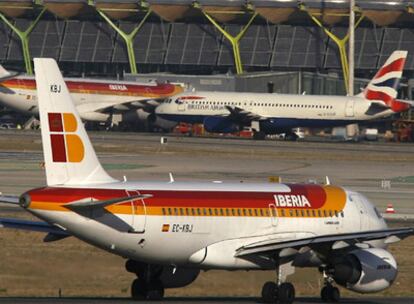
215,124
365,270
180,278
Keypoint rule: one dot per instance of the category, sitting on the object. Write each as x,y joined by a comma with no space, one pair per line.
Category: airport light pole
351,48
340,42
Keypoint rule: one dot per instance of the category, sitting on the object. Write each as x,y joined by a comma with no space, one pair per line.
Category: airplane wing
148,105
242,115
9,199
333,242
90,202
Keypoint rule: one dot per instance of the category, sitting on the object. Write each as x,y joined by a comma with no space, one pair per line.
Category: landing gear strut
147,286
329,293
281,292
142,290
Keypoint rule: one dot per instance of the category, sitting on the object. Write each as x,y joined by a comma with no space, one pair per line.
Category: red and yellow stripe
323,201
101,88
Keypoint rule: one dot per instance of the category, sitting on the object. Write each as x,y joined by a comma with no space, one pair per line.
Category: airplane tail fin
69,156
383,87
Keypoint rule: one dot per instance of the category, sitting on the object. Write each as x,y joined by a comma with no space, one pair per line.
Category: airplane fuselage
212,220
275,112
89,95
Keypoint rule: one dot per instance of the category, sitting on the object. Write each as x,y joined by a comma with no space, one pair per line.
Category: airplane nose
25,200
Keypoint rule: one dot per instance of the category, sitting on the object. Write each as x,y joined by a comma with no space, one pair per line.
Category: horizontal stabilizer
5,75
90,202
31,225
376,107
8,199
409,102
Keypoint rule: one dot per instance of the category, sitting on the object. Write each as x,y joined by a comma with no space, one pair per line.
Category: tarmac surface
384,172
197,300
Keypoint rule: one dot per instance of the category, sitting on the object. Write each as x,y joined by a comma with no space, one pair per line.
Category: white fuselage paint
25,99
214,239
268,106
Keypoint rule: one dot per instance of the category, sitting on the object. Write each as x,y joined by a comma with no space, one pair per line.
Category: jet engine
216,124
169,276
365,270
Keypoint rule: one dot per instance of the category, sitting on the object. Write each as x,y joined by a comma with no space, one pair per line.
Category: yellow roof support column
128,38
234,40
24,38
341,43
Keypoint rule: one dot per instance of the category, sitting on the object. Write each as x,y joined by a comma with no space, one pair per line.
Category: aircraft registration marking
186,228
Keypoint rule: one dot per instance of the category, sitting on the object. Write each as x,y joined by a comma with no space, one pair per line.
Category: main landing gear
281,292
147,286
273,293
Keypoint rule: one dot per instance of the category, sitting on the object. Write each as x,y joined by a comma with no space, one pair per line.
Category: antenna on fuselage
327,181
171,178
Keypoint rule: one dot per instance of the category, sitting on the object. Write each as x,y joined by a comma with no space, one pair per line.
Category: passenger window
163,211
175,211
282,212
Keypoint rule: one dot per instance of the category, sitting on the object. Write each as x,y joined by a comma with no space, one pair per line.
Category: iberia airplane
96,100
227,112
168,232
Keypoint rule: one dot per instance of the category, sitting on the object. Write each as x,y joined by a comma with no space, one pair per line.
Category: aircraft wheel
330,294
138,290
269,292
155,291
286,293
259,135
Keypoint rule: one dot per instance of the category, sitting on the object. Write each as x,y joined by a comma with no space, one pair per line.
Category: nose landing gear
329,293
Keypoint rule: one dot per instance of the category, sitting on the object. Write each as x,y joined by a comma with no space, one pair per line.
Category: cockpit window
377,213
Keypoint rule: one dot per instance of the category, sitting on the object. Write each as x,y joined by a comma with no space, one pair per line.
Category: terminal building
265,45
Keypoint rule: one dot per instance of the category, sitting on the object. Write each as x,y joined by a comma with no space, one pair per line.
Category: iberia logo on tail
66,145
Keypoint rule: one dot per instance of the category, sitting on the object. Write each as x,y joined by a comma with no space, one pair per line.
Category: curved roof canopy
330,12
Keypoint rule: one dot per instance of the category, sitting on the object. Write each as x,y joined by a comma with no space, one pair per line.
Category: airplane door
361,212
181,106
349,107
138,214
273,214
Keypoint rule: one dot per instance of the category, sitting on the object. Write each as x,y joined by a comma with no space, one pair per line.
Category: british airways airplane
168,232
227,112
